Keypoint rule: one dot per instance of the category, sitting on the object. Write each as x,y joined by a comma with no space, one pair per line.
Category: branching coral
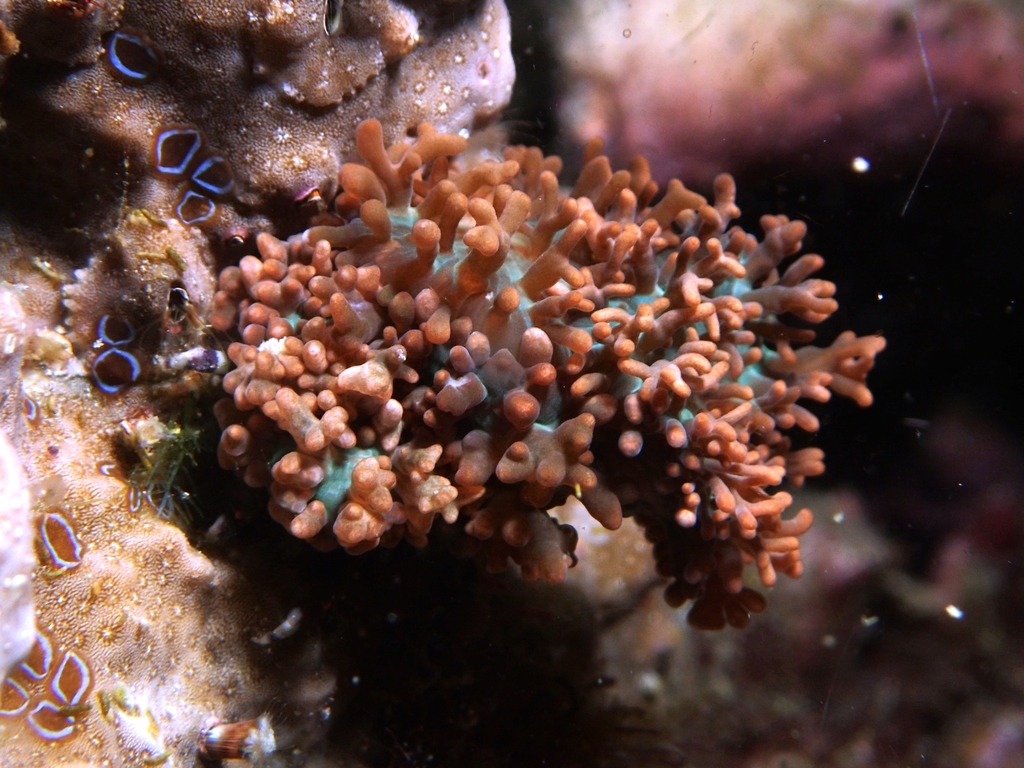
471,342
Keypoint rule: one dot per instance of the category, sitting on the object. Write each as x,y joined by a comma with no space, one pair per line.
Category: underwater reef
273,250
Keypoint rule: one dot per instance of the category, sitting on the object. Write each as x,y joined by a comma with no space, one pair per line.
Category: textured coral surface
138,637
462,339
226,113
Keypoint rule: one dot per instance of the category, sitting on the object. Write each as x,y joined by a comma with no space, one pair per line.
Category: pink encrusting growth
471,342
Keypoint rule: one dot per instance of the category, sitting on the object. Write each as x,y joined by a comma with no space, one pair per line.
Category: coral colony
470,342
452,342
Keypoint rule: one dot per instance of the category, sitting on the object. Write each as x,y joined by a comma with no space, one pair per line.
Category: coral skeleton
466,340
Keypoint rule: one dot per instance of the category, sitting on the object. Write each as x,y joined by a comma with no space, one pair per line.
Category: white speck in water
954,612
651,684
860,165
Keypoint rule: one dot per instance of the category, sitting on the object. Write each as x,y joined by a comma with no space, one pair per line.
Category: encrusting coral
465,340
228,115
138,637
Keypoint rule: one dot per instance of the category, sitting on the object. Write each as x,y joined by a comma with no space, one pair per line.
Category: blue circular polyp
115,330
114,369
194,208
206,175
175,148
131,56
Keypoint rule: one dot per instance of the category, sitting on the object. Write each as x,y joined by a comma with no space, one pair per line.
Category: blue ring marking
189,195
101,331
112,388
206,165
136,75
83,673
30,410
44,643
179,169
134,498
48,733
76,546
15,710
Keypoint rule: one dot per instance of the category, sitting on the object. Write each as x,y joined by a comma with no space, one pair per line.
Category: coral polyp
466,340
